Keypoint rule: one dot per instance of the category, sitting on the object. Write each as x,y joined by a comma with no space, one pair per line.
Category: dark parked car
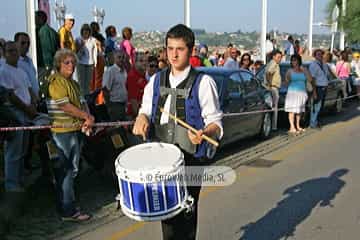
334,94
239,92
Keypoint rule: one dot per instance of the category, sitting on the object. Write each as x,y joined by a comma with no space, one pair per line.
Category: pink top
341,70
126,46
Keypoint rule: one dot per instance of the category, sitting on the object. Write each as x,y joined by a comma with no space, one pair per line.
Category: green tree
351,21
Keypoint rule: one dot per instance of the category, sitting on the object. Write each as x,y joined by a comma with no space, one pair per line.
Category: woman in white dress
296,97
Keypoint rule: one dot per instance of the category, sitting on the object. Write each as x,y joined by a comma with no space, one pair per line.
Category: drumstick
184,124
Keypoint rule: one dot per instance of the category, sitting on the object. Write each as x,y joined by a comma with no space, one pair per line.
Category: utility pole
187,13
263,30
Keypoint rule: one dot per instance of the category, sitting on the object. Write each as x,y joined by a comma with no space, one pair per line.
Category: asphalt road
308,190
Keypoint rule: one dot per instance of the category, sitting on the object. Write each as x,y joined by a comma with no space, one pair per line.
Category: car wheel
266,126
338,105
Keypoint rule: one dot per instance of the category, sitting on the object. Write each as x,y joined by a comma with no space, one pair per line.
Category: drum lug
188,204
118,200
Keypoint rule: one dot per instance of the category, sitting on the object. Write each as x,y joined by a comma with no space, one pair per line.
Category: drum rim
139,175
152,218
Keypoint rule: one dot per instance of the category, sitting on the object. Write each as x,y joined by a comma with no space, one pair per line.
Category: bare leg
299,128
291,121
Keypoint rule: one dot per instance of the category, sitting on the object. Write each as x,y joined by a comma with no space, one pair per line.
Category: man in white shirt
289,48
15,148
25,63
320,73
231,61
173,89
114,86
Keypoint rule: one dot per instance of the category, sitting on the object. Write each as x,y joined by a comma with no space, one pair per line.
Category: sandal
292,133
302,130
77,217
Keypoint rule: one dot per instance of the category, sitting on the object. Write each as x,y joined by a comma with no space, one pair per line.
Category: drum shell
151,199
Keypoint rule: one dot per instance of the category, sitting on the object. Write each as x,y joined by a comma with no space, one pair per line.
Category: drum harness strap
171,132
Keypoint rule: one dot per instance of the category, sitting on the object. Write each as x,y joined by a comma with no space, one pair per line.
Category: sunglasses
68,62
152,65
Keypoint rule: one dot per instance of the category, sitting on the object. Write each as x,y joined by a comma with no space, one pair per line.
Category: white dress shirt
16,79
320,72
26,64
269,47
231,64
208,99
115,81
88,53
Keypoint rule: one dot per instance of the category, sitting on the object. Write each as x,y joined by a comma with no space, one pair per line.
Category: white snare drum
150,186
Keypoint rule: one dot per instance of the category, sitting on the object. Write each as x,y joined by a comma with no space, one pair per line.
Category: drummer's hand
195,138
141,126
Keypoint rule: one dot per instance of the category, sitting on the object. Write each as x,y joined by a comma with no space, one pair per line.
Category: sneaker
77,217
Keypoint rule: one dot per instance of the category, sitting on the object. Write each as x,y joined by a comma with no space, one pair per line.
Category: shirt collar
117,67
176,80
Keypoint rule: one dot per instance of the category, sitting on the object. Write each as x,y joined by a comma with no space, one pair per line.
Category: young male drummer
192,97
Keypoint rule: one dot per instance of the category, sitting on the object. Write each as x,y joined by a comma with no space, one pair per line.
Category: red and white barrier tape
128,123
281,109
41,127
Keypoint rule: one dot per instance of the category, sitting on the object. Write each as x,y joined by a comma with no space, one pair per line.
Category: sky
145,15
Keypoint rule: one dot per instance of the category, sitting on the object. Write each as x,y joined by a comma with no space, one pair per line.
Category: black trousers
184,225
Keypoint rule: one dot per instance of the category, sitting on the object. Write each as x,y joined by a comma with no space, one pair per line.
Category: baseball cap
69,16
356,54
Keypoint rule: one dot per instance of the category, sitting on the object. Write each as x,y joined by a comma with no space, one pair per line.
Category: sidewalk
39,219
12,206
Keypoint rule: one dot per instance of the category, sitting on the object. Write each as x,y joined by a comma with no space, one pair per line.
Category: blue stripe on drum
156,199
139,198
126,195
171,194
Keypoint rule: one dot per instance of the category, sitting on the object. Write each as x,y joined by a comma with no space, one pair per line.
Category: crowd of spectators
70,68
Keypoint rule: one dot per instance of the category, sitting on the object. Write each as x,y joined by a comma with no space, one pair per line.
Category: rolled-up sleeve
146,105
209,103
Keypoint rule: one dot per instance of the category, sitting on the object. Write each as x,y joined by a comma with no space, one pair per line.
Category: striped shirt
62,91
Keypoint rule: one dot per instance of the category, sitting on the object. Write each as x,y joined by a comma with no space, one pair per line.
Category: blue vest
192,109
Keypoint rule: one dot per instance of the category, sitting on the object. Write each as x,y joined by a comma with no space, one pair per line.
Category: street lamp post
334,26
31,28
311,19
342,32
187,13
99,15
263,30
59,10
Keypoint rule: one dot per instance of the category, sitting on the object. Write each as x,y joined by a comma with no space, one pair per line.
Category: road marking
248,171
127,231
